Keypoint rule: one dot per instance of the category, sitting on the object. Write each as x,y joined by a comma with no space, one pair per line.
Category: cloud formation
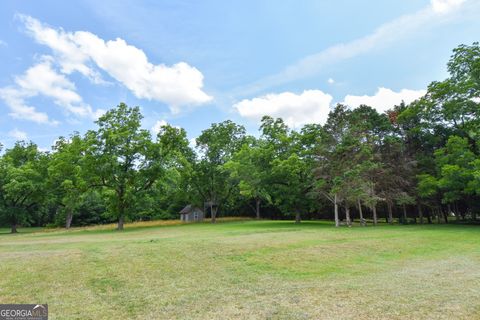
384,98
445,6
18,134
295,109
385,35
177,85
313,106
42,80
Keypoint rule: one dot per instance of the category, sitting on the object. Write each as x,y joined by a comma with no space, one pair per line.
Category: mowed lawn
246,270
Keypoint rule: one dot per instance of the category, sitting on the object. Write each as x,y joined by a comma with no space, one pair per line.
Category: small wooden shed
191,214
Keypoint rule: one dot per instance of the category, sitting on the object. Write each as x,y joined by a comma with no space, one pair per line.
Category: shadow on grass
29,230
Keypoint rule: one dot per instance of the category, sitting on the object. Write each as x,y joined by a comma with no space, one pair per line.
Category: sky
193,63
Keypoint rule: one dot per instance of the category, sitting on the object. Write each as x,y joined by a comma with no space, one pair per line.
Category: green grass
246,270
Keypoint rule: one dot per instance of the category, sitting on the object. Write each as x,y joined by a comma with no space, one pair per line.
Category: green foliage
66,179
122,159
251,167
22,183
424,154
211,179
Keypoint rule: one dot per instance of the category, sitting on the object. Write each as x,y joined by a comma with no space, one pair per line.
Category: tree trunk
347,216
213,209
437,212
445,216
360,212
429,218
458,213
121,220
404,214
337,222
375,218
257,208
390,212
449,212
298,218
14,228
68,221
420,213
121,208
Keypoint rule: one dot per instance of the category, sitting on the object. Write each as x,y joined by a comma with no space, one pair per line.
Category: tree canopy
410,162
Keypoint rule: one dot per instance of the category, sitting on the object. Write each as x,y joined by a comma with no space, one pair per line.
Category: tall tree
65,174
22,183
293,183
251,167
330,164
216,146
122,159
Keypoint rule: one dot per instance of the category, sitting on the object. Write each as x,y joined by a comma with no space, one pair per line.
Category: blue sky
191,63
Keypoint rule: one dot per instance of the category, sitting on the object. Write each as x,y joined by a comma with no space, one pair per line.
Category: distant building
191,214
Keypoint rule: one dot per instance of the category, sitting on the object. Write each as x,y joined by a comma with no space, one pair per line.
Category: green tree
122,159
455,163
65,175
293,182
216,145
22,183
170,193
251,167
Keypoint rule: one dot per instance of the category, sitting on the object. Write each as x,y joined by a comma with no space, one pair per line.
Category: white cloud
3,43
17,134
330,81
311,106
15,100
42,80
387,34
445,6
177,85
68,54
384,98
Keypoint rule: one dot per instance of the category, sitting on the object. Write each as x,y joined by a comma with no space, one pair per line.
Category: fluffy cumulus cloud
18,134
43,80
68,55
313,106
445,6
177,85
384,98
296,109
19,109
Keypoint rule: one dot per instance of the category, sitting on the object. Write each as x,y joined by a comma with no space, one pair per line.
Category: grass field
246,270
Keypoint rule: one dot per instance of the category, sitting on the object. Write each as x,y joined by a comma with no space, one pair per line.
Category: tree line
415,163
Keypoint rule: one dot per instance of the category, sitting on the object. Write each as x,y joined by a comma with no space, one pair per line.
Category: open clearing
246,270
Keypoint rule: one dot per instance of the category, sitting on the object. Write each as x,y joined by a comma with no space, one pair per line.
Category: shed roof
189,209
